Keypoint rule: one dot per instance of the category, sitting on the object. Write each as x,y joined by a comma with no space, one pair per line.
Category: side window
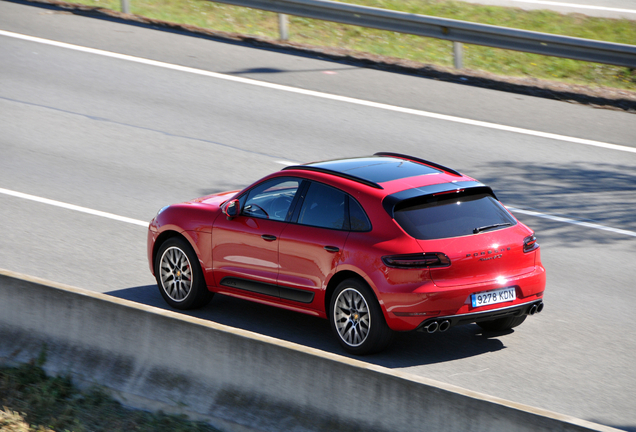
357,217
270,199
323,207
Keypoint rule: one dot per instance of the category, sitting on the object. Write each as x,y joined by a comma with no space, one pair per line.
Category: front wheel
357,320
179,275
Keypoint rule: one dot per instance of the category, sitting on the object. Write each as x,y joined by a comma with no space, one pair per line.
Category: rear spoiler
390,201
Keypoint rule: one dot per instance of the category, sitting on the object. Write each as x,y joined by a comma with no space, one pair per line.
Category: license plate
493,297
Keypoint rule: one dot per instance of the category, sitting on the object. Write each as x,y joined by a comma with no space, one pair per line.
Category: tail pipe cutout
442,325
535,308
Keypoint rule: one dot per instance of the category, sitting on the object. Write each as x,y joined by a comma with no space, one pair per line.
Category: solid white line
572,221
578,6
324,95
73,207
287,163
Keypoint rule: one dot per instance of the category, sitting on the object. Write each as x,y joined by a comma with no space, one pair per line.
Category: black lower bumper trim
455,320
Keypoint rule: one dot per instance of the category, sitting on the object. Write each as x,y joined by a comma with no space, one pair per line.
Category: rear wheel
179,275
357,320
502,324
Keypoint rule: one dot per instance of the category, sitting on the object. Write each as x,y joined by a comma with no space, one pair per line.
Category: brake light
418,260
530,243
449,192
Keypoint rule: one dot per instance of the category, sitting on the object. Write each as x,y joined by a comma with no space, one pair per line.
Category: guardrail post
125,6
282,26
458,55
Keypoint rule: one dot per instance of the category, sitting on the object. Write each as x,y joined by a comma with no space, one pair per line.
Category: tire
179,276
357,320
502,324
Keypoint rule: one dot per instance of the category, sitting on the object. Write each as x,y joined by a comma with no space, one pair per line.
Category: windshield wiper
487,227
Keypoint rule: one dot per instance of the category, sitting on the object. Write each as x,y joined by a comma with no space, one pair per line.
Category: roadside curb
151,358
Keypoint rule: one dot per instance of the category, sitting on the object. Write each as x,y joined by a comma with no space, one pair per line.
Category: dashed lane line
73,207
145,224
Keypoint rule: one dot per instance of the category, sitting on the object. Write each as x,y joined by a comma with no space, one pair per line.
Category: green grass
32,402
221,17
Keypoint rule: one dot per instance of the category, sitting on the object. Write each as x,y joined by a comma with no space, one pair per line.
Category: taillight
530,243
417,260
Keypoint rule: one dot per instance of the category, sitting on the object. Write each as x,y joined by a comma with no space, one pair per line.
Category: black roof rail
418,160
336,173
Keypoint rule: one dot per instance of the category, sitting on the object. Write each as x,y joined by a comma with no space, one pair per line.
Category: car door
311,247
245,248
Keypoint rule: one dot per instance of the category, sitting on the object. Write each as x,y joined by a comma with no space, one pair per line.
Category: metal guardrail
452,30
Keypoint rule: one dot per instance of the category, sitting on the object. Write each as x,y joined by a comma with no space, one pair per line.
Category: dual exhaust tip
535,308
434,326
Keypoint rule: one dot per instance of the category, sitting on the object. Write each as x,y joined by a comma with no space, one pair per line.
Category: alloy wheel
352,317
176,274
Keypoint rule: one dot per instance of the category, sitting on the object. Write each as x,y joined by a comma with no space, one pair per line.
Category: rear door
482,239
481,258
311,248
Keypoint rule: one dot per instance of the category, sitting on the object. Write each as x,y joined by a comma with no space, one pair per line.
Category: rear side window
323,207
451,215
357,217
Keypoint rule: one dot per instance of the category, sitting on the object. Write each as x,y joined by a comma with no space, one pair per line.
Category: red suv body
374,244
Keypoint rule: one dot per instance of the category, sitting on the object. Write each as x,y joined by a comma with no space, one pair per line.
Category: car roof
390,171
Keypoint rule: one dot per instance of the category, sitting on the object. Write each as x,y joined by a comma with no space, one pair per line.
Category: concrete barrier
237,380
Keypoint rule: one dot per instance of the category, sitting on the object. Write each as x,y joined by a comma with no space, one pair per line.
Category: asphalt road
126,137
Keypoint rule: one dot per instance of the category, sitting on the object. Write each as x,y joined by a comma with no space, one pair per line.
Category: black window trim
335,173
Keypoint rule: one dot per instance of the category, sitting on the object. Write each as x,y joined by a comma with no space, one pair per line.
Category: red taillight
530,243
417,260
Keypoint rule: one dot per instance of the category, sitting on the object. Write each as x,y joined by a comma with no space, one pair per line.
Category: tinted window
323,207
270,199
357,217
451,215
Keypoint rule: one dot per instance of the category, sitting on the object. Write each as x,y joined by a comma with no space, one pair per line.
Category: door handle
331,249
268,237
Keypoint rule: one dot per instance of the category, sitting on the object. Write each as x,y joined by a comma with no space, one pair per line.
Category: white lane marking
573,5
73,207
287,163
145,224
325,95
572,221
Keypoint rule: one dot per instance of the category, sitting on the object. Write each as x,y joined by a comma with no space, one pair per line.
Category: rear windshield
451,215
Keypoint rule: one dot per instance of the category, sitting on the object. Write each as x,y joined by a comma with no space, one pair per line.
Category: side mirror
232,209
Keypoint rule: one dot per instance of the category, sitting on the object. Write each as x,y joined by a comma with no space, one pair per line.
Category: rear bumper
410,310
529,308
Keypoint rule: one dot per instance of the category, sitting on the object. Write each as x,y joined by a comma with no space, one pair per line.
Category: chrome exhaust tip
539,307
533,310
444,325
432,327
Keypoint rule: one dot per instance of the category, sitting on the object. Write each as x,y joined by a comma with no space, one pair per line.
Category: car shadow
408,348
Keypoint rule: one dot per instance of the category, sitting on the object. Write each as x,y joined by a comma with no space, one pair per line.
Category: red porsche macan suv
374,244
